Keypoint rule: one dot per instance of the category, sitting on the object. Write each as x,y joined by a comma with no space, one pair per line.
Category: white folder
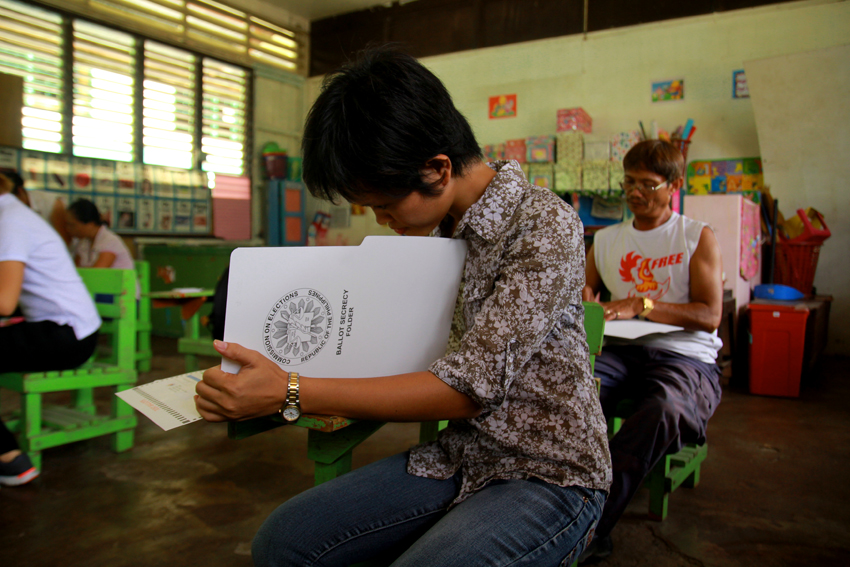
378,309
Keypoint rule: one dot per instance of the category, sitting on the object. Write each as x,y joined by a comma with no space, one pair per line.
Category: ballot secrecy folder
378,309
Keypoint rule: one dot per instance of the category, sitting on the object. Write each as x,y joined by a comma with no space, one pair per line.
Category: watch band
648,306
293,398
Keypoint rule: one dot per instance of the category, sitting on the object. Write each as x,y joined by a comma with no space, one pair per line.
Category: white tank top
655,264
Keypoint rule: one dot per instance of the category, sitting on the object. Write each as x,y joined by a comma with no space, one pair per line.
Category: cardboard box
574,119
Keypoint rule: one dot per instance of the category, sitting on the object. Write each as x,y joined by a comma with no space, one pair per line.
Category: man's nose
381,217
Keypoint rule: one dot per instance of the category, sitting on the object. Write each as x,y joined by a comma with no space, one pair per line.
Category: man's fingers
236,352
210,411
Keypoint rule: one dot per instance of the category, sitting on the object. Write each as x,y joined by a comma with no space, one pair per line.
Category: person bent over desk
60,325
520,474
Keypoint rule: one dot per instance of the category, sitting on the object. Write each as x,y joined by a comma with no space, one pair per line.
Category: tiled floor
774,490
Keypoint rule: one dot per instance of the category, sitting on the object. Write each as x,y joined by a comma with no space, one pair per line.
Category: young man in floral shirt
520,475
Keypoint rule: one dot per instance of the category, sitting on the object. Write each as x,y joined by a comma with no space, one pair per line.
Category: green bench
41,426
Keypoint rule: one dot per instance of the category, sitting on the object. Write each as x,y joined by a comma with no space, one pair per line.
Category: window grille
104,63
223,117
31,42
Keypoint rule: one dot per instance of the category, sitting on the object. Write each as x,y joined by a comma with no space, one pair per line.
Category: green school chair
40,426
144,354
674,470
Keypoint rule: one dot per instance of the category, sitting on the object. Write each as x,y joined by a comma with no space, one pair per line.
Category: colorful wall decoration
132,198
503,106
739,175
739,85
668,90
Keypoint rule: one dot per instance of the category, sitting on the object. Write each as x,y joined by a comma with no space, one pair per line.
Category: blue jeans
381,510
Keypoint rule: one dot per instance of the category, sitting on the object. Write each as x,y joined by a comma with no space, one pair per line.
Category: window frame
139,39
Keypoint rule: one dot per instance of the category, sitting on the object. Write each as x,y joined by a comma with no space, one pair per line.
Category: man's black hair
375,126
85,211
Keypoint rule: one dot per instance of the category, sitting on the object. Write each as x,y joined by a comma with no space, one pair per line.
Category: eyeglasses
643,186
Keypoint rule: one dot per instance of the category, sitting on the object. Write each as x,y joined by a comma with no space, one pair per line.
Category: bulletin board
132,198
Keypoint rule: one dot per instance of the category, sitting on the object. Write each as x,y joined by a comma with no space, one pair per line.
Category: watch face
291,413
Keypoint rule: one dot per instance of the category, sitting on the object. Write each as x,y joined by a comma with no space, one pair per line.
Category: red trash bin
777,341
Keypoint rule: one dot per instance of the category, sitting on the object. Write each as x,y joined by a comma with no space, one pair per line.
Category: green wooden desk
190,344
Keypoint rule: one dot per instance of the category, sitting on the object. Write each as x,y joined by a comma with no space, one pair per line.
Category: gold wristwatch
648,305
291,410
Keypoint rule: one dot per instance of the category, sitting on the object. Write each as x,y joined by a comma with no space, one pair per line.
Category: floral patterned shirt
519,348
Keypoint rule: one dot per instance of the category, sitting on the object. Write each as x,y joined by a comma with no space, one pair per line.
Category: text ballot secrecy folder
378,309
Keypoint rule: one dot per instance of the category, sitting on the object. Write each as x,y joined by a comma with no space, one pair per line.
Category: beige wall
609,74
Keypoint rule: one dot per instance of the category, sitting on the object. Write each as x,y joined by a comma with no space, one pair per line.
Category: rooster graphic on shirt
638,270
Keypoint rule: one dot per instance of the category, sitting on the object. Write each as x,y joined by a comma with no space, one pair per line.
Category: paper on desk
634,328
169,402
378,309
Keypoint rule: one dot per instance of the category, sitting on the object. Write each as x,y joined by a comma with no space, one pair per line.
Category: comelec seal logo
298,326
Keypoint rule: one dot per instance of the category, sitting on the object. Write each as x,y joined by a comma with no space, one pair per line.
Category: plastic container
275,164
796,263
808,226
777,292
777,343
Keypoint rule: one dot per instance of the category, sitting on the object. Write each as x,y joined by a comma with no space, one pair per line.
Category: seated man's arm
593,281
705,309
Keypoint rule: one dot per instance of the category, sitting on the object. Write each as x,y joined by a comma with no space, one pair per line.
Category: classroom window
168,114
104,92
31,42
223,132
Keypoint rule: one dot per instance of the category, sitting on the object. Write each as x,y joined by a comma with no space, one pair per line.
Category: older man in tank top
661,267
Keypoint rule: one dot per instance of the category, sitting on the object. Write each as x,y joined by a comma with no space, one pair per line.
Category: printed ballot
378,309
382,308
635,328
169,402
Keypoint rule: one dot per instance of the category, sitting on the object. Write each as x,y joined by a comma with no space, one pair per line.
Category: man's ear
438,169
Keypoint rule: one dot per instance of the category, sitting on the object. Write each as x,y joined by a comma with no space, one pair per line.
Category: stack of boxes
566,162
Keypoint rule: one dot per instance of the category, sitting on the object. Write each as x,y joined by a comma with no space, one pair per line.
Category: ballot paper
634,328
169,402
378,309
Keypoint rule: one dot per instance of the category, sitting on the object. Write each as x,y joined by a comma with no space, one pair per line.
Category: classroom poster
182,181
200,216
126,213
33,170
9,158
147,215
83,171
163,186
104,176
164,215
183,216
739,85
668,90
106,207
124,192
502,106
147,180
126,174
59,174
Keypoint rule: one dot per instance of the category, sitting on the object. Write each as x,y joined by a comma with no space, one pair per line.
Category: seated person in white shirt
60,324
93,244
662,267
